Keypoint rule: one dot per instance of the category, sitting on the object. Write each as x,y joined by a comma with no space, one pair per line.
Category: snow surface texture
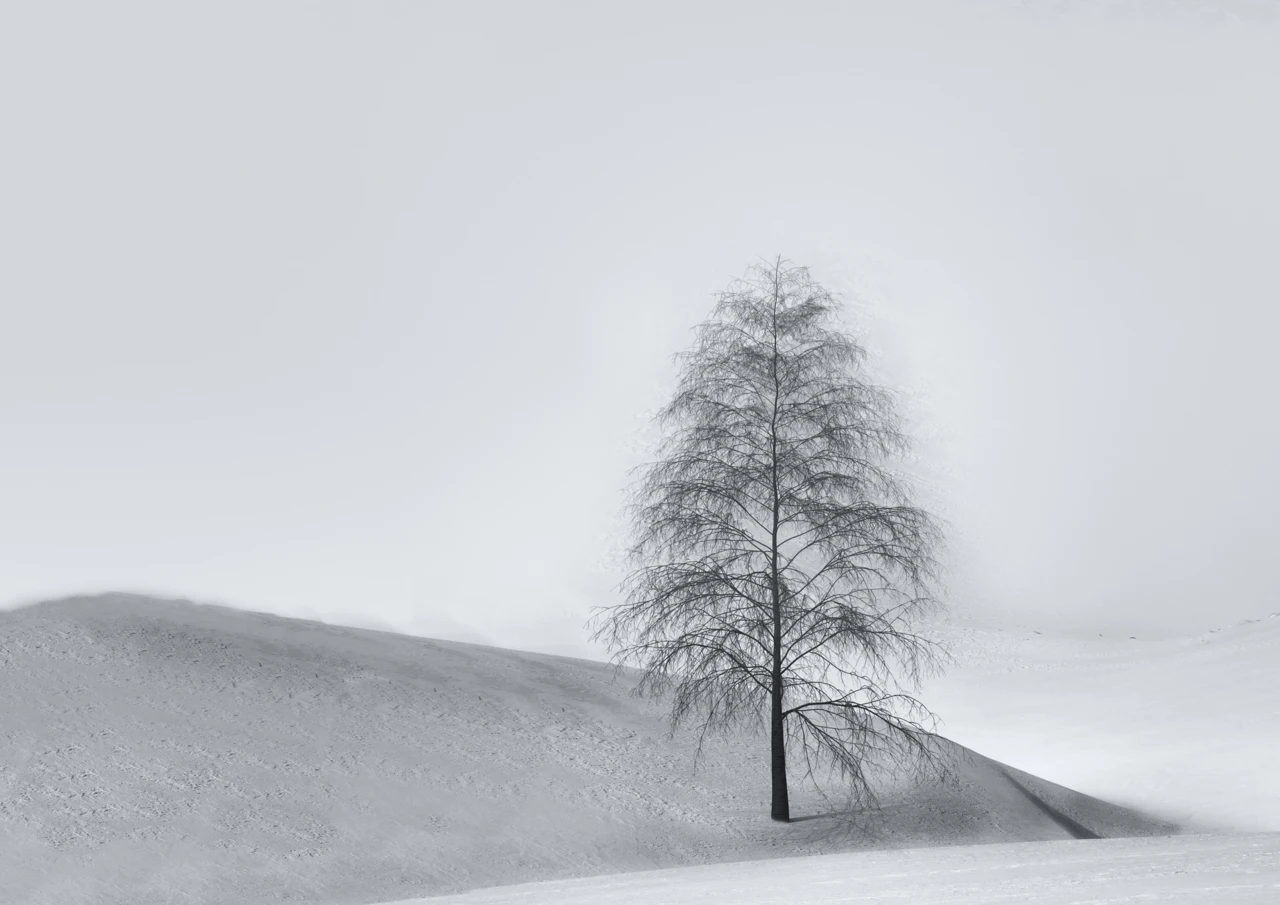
161,751
1190,870
1187,869
1189,726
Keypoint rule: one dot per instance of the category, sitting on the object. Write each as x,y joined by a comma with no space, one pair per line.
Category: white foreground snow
1213,870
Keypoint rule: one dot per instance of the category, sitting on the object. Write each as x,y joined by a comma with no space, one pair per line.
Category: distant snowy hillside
1189,726
162,751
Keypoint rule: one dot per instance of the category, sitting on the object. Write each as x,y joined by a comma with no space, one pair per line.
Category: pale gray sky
354,310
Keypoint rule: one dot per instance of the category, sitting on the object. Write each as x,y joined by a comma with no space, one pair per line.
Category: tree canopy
778,561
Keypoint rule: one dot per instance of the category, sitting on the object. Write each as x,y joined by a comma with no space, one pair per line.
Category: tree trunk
781,809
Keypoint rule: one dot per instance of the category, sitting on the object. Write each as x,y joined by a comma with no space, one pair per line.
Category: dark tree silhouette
778,561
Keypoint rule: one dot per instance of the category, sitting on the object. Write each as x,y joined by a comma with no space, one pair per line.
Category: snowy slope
1189,726
154,750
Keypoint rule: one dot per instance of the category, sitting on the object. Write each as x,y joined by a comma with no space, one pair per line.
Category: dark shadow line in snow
816,816
1077,830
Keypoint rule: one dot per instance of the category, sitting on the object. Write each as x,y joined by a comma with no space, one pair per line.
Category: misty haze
639,453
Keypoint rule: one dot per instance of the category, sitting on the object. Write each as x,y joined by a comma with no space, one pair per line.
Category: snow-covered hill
159,751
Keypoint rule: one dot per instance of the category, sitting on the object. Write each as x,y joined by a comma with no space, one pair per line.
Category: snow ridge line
1077,830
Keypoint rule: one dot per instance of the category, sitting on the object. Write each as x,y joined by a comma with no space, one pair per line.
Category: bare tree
778,560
